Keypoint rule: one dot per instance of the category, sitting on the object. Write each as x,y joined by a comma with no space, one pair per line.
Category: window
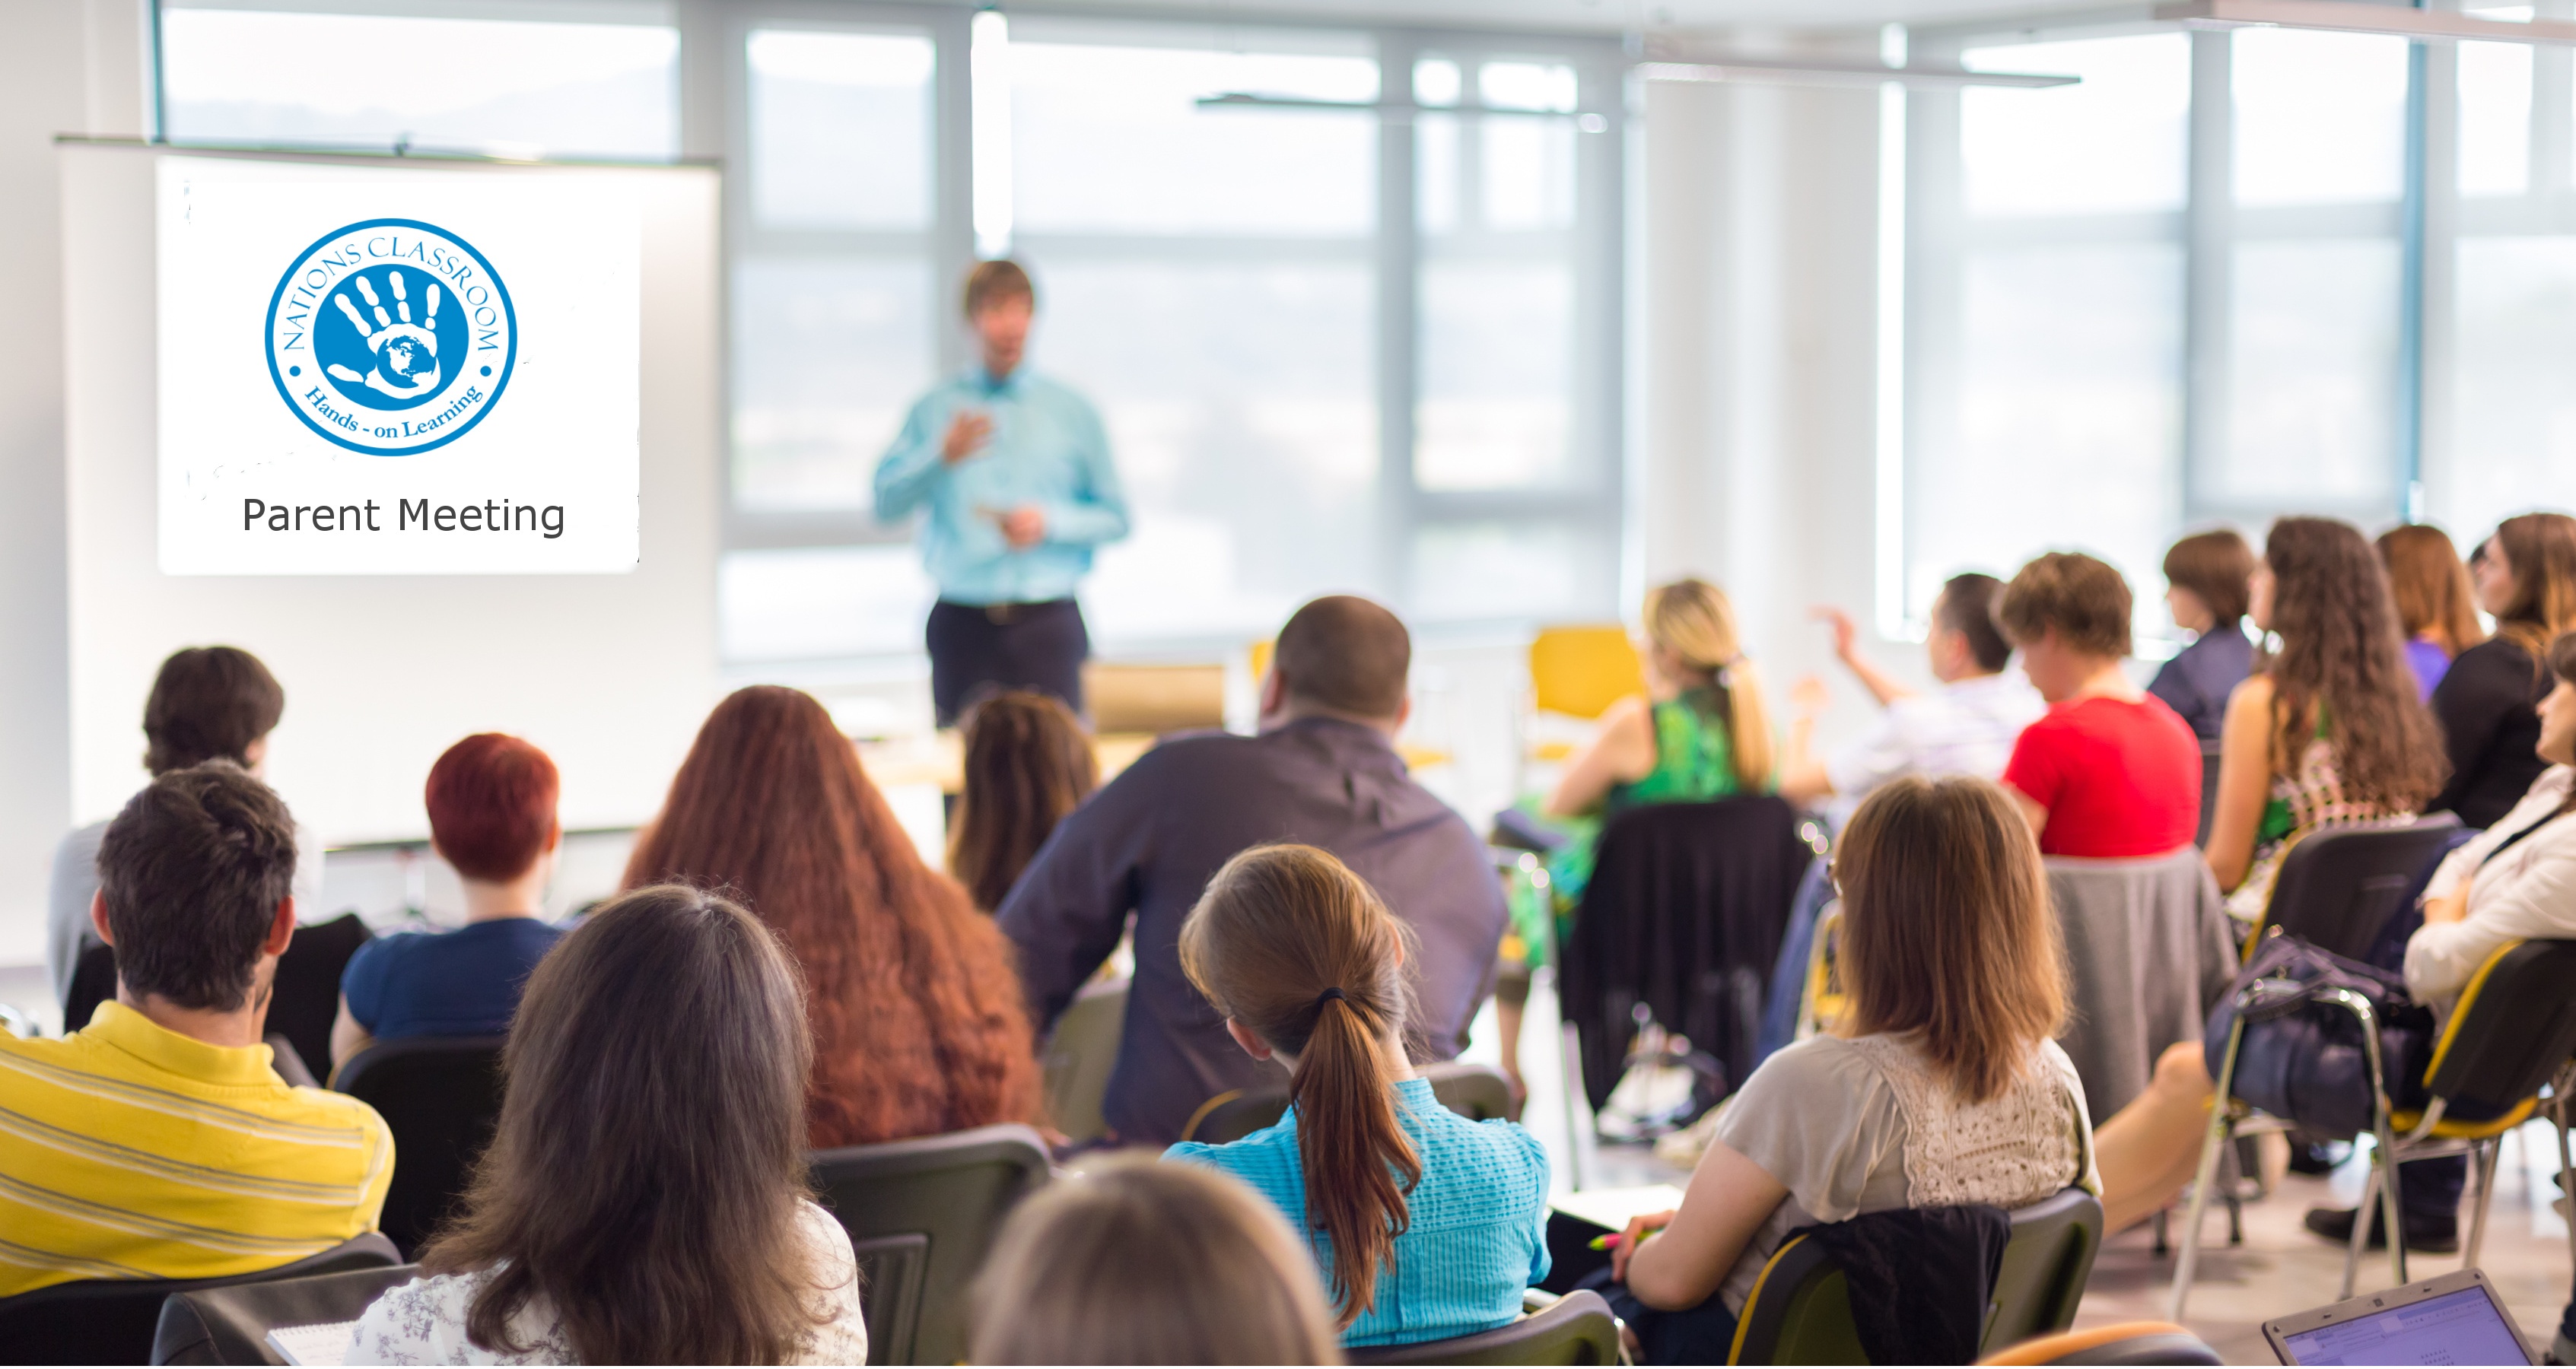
504,87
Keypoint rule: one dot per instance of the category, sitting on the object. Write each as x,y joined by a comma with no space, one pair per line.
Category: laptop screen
2456,1328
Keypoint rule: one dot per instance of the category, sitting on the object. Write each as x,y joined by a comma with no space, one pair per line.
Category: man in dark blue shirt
491,801
1323,771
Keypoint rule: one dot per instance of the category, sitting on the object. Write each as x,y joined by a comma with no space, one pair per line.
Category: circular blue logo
391,336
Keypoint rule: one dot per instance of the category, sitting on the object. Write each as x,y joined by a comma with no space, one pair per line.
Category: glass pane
501,86
1528,172
818,602
2312,400
2495,118
827,356
1111,139
1508,570
2070,419
1437,169
1240,405
1497,375
1527,85
2513,439
2320,117
840,130
2114,143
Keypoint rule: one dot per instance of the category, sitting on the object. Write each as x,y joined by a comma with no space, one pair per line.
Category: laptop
2455,1319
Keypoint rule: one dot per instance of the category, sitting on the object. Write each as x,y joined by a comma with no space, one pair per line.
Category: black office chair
921,1214
440,1096
1574,1329
112,1321
230,1325
1475,1092
303,1002
1800,1311
2339,886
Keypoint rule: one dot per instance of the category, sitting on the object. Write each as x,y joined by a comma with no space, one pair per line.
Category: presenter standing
1015,471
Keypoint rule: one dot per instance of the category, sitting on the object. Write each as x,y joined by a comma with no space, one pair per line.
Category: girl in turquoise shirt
1424,1225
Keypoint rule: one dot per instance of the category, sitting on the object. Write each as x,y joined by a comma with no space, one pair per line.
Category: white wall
66,66
610,673
1760,290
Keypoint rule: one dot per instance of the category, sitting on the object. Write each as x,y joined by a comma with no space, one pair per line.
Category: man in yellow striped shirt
157,1142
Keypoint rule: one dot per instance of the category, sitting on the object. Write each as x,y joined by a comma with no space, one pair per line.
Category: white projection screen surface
597,644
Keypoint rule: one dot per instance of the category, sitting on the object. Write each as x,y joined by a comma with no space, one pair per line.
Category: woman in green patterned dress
1702,731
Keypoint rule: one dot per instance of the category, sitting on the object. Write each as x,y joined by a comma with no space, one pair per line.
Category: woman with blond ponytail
1425,1225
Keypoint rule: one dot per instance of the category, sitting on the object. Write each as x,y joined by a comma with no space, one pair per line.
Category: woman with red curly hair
919,1025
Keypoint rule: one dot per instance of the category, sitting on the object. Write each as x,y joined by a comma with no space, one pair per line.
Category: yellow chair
1581,670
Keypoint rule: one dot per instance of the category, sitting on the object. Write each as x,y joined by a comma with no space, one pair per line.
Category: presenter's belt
1003,615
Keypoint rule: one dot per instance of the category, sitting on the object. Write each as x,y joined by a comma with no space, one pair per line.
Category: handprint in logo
406,353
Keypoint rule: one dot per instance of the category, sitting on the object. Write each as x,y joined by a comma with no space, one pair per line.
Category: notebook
1613,1207
321,1343
2455,1319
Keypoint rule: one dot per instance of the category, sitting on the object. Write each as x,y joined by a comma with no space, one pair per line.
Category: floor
2281,1267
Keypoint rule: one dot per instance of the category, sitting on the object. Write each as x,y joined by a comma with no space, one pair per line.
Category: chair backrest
2339,885
1799,1311
921,1215
230,1325
1080,1055
440,1096
302,1004
2512,1028
2128,1342
2044,1268
2208,790
1478,1093
1577,1329
1582,670
1153,698
1685,913
111,1321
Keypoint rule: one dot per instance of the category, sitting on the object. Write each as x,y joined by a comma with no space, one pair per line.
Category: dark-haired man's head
210,703
194,879
491,801
1340,656
1965,642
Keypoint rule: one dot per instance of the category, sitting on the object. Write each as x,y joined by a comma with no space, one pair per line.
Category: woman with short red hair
919,1025
491,801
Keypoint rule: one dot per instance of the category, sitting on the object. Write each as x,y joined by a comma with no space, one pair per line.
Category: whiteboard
610,673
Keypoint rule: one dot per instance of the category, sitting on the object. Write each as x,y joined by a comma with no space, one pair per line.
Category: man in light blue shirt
1014,471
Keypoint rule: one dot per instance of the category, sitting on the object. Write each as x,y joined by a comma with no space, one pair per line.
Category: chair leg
2566,1176
2207,1175
2162,1247
2361,1226
2486,1154
1570,1053
2391,1204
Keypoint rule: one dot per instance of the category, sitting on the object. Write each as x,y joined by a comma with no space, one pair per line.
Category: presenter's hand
967,434
1024,527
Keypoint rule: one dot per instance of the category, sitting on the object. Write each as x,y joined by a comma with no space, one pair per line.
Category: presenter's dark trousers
981,649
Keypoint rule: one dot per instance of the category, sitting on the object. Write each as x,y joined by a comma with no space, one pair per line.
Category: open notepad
321,1343
1613,1207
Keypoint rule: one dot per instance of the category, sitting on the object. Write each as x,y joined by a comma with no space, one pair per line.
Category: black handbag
2303,1057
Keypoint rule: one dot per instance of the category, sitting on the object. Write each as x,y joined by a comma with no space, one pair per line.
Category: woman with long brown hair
2437,607
644,1199
2327,730
1426,1225
1028,762
2526,578
1941,1086
919,1027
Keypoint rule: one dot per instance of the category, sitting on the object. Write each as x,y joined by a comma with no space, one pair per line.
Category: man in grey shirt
207,703
1323,771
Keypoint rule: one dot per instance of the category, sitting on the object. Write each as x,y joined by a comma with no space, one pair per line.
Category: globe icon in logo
391,336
